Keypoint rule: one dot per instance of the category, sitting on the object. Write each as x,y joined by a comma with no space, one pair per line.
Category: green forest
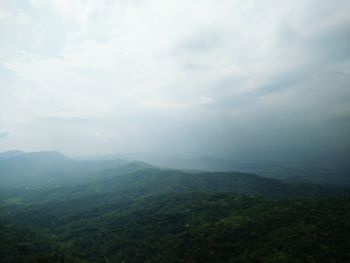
134,212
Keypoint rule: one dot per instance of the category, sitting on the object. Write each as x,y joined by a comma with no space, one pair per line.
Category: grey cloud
282,82
190,66
4,134
234,79
66,119
333,45
202,41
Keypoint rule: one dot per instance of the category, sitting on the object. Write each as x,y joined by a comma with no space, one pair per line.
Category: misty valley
58,209
152,131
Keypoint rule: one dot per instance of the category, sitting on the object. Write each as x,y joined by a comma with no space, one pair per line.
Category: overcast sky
209,77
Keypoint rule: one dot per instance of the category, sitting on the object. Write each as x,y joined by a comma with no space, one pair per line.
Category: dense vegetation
186,227
133,212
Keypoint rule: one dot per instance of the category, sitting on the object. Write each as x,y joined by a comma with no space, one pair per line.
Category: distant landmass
327,171
59,209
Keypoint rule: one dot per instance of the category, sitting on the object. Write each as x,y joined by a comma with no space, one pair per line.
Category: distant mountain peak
10,154
46,154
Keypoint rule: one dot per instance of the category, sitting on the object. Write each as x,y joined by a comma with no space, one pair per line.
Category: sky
223,78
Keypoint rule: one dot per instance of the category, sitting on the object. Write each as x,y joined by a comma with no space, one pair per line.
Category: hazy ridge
55,208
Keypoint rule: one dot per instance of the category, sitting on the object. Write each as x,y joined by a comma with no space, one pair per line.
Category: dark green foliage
134,213
185,227
26,244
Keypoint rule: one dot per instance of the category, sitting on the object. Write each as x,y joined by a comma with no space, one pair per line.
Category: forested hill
181,227
150,181
38,170
57,209
25,174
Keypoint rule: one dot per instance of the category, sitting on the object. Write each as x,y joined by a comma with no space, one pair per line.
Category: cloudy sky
209,77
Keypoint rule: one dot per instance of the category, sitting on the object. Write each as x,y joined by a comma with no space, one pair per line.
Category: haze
219,78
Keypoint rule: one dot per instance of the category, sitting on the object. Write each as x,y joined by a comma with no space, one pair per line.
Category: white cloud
137,61
4,15
4,134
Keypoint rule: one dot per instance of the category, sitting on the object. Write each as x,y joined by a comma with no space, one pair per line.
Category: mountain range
59,209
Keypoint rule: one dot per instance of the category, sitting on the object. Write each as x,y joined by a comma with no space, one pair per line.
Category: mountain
150,181
58,209
10,154
326,171
48,169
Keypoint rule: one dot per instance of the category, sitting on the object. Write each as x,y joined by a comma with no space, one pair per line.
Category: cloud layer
225,78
